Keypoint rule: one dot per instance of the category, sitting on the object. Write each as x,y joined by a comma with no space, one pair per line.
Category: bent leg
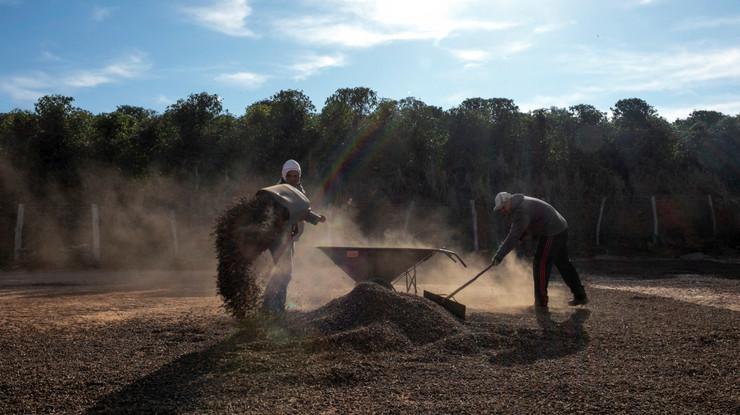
566,268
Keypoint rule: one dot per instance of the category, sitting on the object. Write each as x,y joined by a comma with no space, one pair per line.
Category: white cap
291,165
501,198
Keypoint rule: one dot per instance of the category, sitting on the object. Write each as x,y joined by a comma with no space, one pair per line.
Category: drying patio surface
94,342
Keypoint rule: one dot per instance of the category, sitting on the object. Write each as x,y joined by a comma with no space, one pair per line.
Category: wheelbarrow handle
472,280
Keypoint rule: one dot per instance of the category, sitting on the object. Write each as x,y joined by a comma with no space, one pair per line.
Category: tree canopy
366,148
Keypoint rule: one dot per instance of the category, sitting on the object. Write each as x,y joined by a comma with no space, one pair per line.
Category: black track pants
554,249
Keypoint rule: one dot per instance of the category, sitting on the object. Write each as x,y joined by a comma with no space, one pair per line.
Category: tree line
374,150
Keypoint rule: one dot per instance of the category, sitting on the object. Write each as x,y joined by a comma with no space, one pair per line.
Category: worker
537,218
283,249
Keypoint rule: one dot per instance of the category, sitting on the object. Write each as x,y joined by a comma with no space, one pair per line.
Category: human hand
322,218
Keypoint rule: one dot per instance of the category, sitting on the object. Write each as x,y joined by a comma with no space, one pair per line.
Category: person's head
503,203
292,172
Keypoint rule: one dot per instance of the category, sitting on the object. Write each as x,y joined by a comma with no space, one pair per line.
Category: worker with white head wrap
284,248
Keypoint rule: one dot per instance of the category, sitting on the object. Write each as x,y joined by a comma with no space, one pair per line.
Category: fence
93,234
646,223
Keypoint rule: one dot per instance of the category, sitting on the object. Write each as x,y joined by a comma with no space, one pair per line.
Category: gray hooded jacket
293,199
533,216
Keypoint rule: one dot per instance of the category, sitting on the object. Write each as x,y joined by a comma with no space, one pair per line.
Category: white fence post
476,244
714,218
655,219
95,233
598,223
18,234
173,232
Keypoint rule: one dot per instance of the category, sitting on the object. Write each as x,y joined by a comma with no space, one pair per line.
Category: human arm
315,218
519,224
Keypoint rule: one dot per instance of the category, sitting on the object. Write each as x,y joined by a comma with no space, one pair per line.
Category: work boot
581,300
538,309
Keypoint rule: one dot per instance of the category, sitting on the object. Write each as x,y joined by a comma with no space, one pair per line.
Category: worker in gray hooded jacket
289,193
537,218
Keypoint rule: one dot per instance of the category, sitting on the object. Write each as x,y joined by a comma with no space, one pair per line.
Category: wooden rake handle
472,280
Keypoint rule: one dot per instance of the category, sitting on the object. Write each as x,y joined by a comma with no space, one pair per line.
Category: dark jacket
532,216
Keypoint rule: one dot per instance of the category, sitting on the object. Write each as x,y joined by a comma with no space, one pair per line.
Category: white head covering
291,165
501,198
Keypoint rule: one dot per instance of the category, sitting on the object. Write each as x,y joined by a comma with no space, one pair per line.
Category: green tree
422,127
340,126
193,148
18,130
60,146
129,138
645,145
279,128
482,144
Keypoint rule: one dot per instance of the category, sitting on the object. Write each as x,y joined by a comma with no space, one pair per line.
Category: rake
448,302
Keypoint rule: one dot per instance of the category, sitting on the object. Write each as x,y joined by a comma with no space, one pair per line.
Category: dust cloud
316,280
160,223
152,223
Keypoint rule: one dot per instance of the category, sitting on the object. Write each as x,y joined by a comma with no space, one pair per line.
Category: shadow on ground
184,384
178,386
551,341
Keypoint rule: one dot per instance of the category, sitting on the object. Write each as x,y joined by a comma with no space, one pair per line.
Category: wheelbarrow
384,266
449,303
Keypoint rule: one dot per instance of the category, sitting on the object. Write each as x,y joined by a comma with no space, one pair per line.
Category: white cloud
50,57
708,23
560,101
32,86
661,71
164,100
726,107
132,66
246,80
516,47
325,31
129,67
472,58
634,4
367,23
312,64
26,88
101,13
639,3
225,16
552,27
457,98
620,72
86,79
471,55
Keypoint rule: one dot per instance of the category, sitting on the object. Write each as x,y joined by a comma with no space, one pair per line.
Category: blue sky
677,55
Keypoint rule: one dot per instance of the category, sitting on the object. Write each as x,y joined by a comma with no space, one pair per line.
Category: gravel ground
695,289
94,343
